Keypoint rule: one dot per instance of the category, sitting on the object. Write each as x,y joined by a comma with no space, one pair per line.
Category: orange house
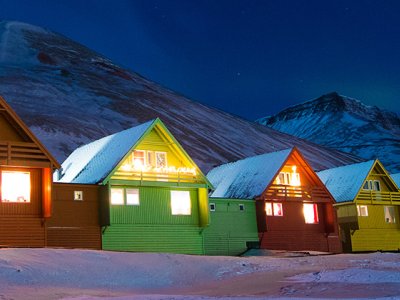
26,169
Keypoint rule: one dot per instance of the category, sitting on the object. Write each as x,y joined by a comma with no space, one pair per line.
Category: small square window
15,187
389,214
212,206
362,210
241,207
132,197
78,195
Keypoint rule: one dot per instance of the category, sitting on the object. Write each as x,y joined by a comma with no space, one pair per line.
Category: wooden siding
183,239
230,229
22,231
290,232
75,223
22,154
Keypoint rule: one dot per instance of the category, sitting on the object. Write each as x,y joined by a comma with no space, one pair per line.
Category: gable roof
22,127
94,162
249,177
345,182
396,179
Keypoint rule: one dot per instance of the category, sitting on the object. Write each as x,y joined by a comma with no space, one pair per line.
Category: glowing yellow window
15,186
310,213
180,203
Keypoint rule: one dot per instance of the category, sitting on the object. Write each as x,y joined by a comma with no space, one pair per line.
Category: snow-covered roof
396,178
345,182
247,178
92,162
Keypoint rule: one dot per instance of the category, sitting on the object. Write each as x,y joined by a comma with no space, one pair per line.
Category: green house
154,198
368,206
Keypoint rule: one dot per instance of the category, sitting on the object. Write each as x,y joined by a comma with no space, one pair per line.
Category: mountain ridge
345,124
70,95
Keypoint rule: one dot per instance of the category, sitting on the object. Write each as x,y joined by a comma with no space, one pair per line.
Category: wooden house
26,169
293,209
368,204
152,195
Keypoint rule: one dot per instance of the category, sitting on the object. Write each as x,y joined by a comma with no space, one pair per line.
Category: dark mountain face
69,95
345,124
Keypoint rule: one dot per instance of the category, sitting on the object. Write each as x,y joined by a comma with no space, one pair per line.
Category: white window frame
165,155
274,205
27,190
212,206
315,213
268,209
136,202
386,210
111,196
177,208
78,195
144,157
364,212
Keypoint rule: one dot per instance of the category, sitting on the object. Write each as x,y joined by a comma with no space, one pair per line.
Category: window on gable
161,159
132,197
389,214
372,185
366,185
362,210
310,212
377,185
139,159
180,203
15,186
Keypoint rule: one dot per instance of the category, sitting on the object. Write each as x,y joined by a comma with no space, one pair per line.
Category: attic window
15,187
161,159
372,185
139,159
289,178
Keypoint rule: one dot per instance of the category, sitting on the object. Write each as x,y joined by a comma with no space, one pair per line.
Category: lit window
377,185
139,159
310,213
389,214
268,208
212,206
150,159
295,178
117,196
241,207
278,209
15,186
362,210
180,203
78,195
132,197
161,159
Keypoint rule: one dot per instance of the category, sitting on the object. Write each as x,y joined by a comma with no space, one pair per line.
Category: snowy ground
84,274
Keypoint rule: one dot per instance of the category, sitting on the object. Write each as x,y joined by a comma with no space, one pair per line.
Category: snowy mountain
69,95
345,124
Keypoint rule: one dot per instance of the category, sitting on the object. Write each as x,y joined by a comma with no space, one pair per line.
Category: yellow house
368,205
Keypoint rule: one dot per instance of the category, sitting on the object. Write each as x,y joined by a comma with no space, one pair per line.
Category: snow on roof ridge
92,162
23,25
248,177
344,182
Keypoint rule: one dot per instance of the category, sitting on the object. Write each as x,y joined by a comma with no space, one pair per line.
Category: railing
153,176
374,196
285,192
16,151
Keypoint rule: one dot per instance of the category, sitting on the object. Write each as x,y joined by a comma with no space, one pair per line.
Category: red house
294,210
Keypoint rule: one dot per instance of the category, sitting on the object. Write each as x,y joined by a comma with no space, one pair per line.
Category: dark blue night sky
251,58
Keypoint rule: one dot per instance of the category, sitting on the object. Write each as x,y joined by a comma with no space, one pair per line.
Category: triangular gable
396,179
308,176
96,162
15,134
249,177
345,182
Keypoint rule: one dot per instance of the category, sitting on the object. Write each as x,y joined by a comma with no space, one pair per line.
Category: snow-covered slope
69,95
345,124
